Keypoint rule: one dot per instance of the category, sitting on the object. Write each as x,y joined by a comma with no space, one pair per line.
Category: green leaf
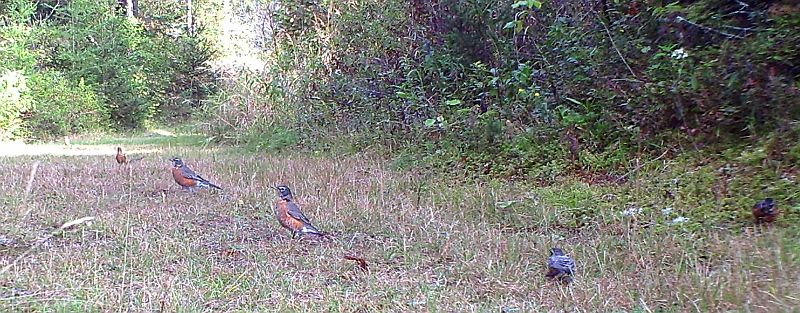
532,4
573,101
429,122
453,102
510,25
404,95
518,4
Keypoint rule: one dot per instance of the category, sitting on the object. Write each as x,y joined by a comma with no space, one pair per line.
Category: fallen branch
29,188
682,19
31,177
614,44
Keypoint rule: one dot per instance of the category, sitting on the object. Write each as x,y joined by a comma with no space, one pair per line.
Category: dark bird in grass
571,141
765,211
123,159
560,266
187,178
289,215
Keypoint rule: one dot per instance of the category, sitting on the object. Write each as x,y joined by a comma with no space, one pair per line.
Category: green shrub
106,50
14,101
64,107
121,72
519,88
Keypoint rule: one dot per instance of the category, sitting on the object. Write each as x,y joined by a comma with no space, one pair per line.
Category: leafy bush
64,107
14,101
121,72
247,114
111,54
191,80
600,83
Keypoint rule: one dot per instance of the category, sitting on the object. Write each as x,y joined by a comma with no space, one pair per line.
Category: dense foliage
491,87
500,86
78,66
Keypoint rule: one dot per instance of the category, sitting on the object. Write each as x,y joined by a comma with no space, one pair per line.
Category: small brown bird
289,215
121,158
765,211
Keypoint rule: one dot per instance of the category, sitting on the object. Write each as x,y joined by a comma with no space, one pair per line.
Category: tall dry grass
430,245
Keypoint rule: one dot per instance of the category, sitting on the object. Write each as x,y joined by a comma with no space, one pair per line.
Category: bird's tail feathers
206,184
308,229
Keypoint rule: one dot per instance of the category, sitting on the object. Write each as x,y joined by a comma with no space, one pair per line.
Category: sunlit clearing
20,149
163,132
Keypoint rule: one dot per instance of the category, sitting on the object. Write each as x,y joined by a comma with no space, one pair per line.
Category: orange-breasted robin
765,211
121,158
187,178
560,266
289,215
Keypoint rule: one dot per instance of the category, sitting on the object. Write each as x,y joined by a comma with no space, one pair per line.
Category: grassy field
431,245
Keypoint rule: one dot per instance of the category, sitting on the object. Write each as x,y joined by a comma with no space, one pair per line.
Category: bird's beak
275,187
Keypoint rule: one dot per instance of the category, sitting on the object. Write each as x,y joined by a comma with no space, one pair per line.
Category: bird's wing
561,262
190,174
294,211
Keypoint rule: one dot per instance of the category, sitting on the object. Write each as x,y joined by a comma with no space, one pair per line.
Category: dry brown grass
430,246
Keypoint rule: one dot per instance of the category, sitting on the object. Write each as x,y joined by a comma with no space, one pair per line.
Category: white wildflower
679,219
666,211
679,54
632,211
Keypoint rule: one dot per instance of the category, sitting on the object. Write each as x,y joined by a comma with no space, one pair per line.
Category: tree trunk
130,8
189,18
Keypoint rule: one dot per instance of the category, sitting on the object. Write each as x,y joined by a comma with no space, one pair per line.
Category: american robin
765,211
121,158
289,215
187,178
560,266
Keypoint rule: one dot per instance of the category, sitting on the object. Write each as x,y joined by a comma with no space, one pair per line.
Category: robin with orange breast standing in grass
187,178
121,159
765,211
289,215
